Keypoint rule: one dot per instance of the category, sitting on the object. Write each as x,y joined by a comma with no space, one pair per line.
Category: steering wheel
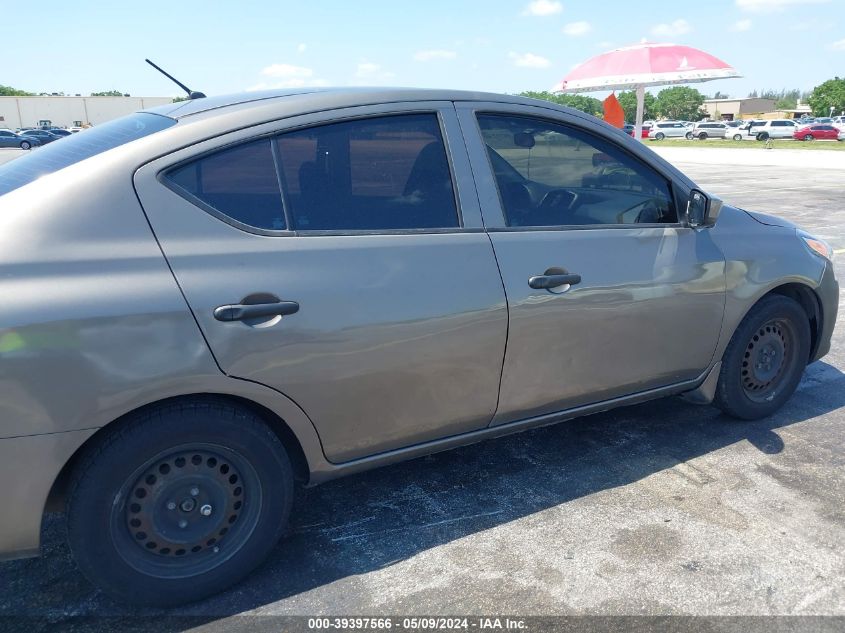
559,199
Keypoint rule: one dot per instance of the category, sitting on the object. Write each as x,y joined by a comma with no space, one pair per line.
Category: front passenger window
550,174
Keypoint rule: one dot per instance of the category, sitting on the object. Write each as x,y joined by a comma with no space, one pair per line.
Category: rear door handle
546,282
239,311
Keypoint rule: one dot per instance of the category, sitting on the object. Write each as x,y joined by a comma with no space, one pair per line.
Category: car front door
609,292
340,258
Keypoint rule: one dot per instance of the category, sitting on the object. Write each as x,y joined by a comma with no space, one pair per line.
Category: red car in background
816,131
629,130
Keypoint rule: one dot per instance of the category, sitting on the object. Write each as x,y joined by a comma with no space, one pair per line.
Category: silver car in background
208,302
669,129
707,129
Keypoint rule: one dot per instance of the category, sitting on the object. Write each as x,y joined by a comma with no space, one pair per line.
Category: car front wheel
179,502
808,137
660,136
702,136
737,137
764,360
26,145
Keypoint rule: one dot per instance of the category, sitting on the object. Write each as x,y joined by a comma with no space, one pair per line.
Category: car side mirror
702,210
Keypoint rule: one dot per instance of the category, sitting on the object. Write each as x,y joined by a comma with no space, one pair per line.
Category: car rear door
610,293
367,292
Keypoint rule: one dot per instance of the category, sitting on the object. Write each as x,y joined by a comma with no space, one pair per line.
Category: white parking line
739,191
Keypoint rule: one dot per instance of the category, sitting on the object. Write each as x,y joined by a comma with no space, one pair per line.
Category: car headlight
818,246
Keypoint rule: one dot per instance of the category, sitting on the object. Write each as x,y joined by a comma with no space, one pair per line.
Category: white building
20,112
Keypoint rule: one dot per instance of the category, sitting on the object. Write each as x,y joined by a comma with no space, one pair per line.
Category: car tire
764,360
737,137
179,502
660,136
763,136
26,145
808,137
689,136
702,136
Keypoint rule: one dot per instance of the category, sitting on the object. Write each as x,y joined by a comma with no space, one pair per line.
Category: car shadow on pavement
352,526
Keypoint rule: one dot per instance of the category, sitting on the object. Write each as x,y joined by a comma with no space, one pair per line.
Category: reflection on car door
398,331
642,303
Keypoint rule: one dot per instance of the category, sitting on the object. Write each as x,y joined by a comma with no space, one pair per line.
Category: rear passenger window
239,183
368,174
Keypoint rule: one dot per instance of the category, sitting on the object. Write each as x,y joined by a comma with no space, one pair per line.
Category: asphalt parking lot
661,508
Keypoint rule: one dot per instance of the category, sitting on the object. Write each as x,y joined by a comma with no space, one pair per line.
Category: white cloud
772,6
577,28
429,55
529,60
543,7
293,82
673,29
287,76
301,48
371,73
286,71
837,46
741,25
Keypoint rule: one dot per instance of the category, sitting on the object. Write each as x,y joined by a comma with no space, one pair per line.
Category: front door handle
553,280
239,312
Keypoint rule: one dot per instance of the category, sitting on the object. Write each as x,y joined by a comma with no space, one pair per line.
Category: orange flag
613,112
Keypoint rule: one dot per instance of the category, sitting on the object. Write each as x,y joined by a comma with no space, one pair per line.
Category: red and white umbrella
642,65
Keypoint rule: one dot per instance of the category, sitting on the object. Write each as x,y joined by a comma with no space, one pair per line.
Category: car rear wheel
808,137
689,136
764,360
179,503
737,137
26,145
660,136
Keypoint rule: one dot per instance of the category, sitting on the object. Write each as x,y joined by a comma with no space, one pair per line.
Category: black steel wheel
764,360
183,508
179,502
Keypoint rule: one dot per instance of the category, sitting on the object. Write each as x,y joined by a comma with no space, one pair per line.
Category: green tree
579,102
8,91
830,94
110,93
628,101
680,102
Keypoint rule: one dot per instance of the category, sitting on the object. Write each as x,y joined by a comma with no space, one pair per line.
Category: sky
490,45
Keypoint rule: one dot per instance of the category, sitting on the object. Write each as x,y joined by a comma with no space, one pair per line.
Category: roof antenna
191,94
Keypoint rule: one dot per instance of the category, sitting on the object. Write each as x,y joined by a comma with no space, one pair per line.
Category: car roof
339,97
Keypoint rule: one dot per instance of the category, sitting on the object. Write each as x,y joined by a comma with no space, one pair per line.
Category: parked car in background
707,129
825,120
734,130
817,132
10,139
59,131
773,128
42,135
179,348
668,129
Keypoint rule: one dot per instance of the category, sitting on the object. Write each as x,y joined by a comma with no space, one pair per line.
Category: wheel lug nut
205,510
171,505
183,524
195,491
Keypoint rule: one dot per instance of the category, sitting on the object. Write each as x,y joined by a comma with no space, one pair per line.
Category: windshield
73,149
